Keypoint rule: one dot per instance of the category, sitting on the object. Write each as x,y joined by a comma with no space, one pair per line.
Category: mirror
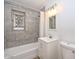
52,22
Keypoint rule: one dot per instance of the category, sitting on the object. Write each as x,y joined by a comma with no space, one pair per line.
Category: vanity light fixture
55,9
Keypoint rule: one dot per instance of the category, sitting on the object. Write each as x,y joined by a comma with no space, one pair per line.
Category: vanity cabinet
48,48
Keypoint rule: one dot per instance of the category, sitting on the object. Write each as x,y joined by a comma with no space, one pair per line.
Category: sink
47,39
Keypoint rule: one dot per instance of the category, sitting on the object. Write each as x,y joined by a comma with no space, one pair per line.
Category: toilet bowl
68,50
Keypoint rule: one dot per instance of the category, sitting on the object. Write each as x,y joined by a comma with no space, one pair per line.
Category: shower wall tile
17,38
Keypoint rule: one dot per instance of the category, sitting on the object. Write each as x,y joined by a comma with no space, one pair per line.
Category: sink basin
47,39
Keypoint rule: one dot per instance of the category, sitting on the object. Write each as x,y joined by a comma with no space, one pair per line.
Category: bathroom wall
65,21
50,32
31,32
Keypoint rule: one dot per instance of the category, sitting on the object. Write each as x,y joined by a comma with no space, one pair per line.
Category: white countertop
47,39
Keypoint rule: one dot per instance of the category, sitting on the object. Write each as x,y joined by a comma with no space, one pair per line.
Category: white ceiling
34,4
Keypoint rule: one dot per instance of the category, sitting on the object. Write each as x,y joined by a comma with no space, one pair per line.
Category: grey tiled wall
17,38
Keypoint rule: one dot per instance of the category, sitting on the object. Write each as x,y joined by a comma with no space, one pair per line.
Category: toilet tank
68,50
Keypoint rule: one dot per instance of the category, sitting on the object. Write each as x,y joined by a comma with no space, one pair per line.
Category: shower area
21,29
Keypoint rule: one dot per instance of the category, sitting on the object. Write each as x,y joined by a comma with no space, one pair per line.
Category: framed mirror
52,22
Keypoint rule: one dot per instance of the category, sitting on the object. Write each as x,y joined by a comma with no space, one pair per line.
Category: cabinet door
52,52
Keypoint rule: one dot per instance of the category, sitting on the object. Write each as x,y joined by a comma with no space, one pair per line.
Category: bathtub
28,51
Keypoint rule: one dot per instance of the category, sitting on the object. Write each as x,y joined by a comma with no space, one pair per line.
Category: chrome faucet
50,36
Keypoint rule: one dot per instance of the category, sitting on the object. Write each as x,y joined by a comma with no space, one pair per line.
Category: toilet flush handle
73,51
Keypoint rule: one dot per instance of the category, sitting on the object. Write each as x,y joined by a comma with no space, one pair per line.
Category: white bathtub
28,51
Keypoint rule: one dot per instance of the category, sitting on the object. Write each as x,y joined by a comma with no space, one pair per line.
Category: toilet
68,50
